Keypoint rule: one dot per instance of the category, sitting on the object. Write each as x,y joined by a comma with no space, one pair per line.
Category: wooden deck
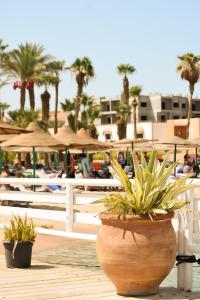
49,281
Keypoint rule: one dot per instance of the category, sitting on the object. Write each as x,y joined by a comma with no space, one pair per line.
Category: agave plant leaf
150,192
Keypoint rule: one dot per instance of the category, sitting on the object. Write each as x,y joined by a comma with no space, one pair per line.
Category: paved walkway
68,269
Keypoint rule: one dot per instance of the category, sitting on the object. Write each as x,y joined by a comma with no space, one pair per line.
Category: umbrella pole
1,160
34,161
132,146
174,158
66,162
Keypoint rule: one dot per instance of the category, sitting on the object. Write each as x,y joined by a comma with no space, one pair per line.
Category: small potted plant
136,244
19,237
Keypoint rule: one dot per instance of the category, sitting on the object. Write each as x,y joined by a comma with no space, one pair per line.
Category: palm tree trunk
135,120
45,97
121,129
191,87
77,105
22,98
125,97
32,97
56,110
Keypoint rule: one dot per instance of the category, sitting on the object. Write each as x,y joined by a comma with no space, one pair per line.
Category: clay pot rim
134,217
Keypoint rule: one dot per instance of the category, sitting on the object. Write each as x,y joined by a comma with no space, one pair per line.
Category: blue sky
146,33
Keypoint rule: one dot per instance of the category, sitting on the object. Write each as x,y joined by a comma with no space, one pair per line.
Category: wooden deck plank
53,282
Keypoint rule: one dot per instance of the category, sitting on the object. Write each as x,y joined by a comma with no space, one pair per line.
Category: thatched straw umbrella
71,140
131,142
8,131
176,141
93,143
36,139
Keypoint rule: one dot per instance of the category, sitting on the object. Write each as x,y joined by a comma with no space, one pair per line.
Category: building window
143,104
175,117
184,117
163,105
183,105
107,107
162,118
108,120
143,118
176,105
193,107
140,135
107,136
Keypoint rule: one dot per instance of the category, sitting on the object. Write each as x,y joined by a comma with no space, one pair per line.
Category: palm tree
84,71
93,113
89,112
25,64
69,106
124,70
23,118
3,107
135,92
86,103
189,70
56,67
123,111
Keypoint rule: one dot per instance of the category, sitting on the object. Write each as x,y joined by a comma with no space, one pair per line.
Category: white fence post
69,208
181,251
188,235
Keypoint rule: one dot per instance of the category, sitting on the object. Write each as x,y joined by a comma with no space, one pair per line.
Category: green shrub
20,229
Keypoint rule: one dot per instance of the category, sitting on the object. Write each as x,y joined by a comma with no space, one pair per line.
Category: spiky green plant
20,230
150,192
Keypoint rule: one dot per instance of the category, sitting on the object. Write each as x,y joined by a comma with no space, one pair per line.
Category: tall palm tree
189,70
123,111
84,71
124,70
135,92
56,67
25,64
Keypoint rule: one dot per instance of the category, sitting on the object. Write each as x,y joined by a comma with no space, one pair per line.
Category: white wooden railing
186,226
68,196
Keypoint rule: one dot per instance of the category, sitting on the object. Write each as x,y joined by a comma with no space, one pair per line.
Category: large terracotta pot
135,252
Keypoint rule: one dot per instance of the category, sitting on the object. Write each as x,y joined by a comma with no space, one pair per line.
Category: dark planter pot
22,254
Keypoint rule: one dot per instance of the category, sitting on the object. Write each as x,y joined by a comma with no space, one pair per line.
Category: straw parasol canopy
175,140
131,141
6,137
37,138
9,129
67,137
29,149
93,143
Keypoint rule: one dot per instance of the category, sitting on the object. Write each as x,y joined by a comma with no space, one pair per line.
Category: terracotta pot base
137,290
136,253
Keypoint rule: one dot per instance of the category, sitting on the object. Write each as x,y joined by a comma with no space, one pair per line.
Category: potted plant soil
19,237
136,244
